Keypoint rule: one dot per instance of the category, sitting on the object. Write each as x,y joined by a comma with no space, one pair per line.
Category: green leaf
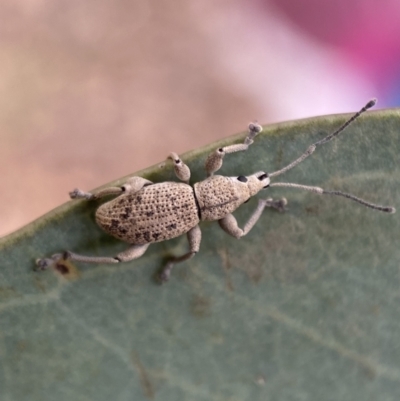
305,307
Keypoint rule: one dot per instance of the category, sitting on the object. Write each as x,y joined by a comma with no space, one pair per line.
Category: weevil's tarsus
194,238
45,263
215,159
254,130
322,141
279,204
318,190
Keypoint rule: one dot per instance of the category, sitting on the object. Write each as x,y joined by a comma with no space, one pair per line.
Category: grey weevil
144,212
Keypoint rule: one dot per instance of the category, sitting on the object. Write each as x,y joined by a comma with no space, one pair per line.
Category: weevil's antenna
318,190
328,138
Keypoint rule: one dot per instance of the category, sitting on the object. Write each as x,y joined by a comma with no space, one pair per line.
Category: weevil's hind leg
133,184
229,223
182,171
133,252
194,238
215,159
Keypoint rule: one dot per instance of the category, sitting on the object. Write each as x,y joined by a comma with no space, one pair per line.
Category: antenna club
371,103
391,210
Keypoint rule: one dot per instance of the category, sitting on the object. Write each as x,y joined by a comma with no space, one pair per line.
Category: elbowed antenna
328,138
310,151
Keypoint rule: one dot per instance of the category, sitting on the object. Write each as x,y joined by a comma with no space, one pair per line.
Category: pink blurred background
95,90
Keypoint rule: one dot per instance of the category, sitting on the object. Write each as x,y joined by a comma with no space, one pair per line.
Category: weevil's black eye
263,177
242,178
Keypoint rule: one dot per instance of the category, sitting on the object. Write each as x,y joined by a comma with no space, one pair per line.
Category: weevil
144,212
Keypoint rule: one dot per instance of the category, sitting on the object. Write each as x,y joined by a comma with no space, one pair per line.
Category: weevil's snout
257,182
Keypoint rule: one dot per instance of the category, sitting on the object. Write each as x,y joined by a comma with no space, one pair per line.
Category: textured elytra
155,213
219,196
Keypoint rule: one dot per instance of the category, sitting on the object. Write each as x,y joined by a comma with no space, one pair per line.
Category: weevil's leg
215,159
79,194
194,238
133,252
133,184
182,171
229,223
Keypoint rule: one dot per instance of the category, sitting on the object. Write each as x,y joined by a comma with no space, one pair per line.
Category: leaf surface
305,307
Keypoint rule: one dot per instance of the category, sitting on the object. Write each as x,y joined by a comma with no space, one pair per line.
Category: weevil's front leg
182,171
194,238
133,184
215,159
229,223
133,252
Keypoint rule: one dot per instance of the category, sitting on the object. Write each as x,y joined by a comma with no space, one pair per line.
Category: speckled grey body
144,212
158,212
155,213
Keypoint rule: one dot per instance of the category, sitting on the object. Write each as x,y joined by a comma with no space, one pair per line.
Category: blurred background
94,90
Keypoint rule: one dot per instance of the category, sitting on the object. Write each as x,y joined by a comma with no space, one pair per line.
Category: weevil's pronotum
144,212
